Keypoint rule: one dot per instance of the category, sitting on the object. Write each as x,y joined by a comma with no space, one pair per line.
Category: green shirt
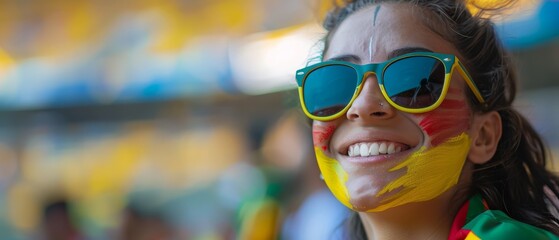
476,221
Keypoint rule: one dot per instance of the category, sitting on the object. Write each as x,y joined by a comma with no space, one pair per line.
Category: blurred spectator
138,224
58,224
320,217
314,213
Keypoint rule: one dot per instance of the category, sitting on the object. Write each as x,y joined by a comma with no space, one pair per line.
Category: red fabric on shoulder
456,231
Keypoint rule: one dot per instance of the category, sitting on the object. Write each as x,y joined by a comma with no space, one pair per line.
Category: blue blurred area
118,69
538,28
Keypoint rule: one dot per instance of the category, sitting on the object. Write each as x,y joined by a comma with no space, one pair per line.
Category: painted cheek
430,172
333,173
334,176
449,119
322,133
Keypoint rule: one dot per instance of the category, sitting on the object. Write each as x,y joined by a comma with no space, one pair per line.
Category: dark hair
515,180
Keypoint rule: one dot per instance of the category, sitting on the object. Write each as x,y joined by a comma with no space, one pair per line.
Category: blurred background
178,119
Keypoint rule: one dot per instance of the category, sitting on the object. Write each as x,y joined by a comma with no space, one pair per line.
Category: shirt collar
470,210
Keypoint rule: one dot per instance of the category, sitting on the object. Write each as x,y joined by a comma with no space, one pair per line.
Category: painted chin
368,176
365,188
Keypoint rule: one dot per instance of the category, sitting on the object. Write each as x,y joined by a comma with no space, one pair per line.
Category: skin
364,39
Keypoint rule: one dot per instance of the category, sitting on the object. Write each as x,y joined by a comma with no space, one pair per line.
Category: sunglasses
415,83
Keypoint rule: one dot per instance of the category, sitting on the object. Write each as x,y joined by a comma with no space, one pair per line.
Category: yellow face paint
430,172
334,176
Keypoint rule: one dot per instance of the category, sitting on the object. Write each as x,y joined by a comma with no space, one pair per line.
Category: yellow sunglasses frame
449,61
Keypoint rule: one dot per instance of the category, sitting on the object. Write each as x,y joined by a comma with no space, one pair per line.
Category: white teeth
382,149
354,151
364,150
373,149
391,148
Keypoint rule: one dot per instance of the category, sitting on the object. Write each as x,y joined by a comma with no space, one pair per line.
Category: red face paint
449,119
321,135
454,91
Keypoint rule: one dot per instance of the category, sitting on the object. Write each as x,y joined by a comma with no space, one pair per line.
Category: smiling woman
413,126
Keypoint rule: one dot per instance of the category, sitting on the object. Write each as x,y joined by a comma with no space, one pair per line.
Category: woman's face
376,157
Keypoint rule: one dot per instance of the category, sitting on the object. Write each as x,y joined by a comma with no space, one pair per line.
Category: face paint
429,173
452,116
371,48
377,9
334,176
321,135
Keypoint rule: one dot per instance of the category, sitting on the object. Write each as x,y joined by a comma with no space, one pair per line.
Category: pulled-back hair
515,180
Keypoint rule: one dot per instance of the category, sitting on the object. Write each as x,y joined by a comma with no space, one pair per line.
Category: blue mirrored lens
329,89
414,82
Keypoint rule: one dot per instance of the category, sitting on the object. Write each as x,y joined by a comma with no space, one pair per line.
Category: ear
485,131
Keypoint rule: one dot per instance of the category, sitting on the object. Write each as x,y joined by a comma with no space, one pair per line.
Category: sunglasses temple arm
470,83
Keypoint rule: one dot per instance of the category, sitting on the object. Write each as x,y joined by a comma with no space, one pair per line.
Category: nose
370,104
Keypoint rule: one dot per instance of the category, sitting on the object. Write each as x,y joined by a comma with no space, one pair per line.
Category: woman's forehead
373,32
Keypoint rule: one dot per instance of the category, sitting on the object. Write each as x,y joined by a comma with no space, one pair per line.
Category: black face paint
377,9
375,17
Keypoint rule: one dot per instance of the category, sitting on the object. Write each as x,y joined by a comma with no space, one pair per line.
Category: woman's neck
426,220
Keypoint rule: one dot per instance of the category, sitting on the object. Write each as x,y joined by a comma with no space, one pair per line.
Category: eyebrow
346,58
406,50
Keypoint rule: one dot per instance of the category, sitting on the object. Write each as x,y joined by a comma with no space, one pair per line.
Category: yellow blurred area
96,172
5,59
262,220
505,9
24,206
186,159
63,26
6,62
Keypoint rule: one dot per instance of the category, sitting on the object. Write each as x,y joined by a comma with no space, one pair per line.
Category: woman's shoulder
475,220
495,224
